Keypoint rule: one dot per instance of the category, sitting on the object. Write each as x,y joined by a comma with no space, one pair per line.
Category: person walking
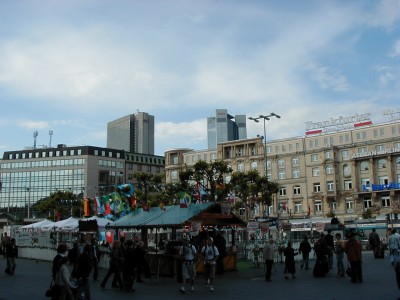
321,251
210,254
394,246
339,251
116,261
374,242
331,246
141,261
61,252
96,253
11,256
269,255
354,256
290,266
83,272
188,254
73,258
305,249
5,240
129,266
62,285
220,243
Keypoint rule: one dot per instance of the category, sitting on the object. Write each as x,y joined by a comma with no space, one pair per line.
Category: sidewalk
32,278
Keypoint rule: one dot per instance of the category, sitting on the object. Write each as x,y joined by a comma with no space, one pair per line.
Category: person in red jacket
354,256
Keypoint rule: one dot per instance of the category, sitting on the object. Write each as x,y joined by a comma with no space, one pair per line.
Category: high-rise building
132,133
225,127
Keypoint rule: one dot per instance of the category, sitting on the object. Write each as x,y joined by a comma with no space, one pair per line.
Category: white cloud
396,50
182,135
328,78
28,124
387,13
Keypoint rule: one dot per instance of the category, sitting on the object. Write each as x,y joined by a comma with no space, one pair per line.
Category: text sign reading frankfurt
339,123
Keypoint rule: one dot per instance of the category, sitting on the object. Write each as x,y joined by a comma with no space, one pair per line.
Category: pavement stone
32,278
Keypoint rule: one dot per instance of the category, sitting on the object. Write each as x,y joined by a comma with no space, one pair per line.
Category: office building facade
225,127
347,173
27,176
133,133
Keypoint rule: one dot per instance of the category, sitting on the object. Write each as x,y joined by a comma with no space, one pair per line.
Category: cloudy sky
71,66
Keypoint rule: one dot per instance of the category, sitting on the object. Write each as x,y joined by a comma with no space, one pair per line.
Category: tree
211,177
61,203
253,189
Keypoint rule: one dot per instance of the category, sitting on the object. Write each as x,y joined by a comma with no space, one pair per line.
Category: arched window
382,163
364,166
346,170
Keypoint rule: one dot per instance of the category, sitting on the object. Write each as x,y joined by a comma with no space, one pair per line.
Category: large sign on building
337,124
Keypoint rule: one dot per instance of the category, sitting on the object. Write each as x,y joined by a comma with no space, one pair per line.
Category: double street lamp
265,118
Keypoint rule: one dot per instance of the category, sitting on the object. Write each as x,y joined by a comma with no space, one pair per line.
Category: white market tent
72,224
38,225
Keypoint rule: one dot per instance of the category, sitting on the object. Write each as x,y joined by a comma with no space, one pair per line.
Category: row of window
59,153
333,206
43,164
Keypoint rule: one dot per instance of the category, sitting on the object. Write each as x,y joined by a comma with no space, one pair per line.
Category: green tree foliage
252,188
62,202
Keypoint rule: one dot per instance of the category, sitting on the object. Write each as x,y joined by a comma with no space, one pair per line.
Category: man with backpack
188,254
210,254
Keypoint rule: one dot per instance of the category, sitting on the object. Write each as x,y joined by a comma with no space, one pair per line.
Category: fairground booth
162,231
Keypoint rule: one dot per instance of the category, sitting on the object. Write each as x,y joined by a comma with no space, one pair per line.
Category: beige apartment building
326,172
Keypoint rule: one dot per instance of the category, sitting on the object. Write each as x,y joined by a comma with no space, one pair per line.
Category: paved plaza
32,278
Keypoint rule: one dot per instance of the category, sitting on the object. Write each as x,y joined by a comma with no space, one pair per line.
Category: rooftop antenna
35,134
50,134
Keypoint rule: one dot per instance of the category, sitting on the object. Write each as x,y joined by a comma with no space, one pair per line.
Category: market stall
198,220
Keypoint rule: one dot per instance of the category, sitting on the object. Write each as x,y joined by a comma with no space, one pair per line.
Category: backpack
191,248
204,251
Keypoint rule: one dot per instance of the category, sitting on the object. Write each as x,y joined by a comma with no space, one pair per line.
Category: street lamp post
27,190
265,118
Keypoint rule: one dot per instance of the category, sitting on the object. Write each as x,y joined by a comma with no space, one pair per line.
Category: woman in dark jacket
11,255
290,266
116,263
83,272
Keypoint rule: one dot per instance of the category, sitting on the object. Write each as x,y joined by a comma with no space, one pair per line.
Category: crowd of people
72,268
326,247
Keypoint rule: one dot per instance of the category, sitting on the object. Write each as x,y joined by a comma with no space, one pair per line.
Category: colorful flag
117,201
105,199
110,237
99,205
86,207
127,188
107,209
133,201
184,199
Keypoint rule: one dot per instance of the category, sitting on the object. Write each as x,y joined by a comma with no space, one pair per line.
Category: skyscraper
224,127
132,133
